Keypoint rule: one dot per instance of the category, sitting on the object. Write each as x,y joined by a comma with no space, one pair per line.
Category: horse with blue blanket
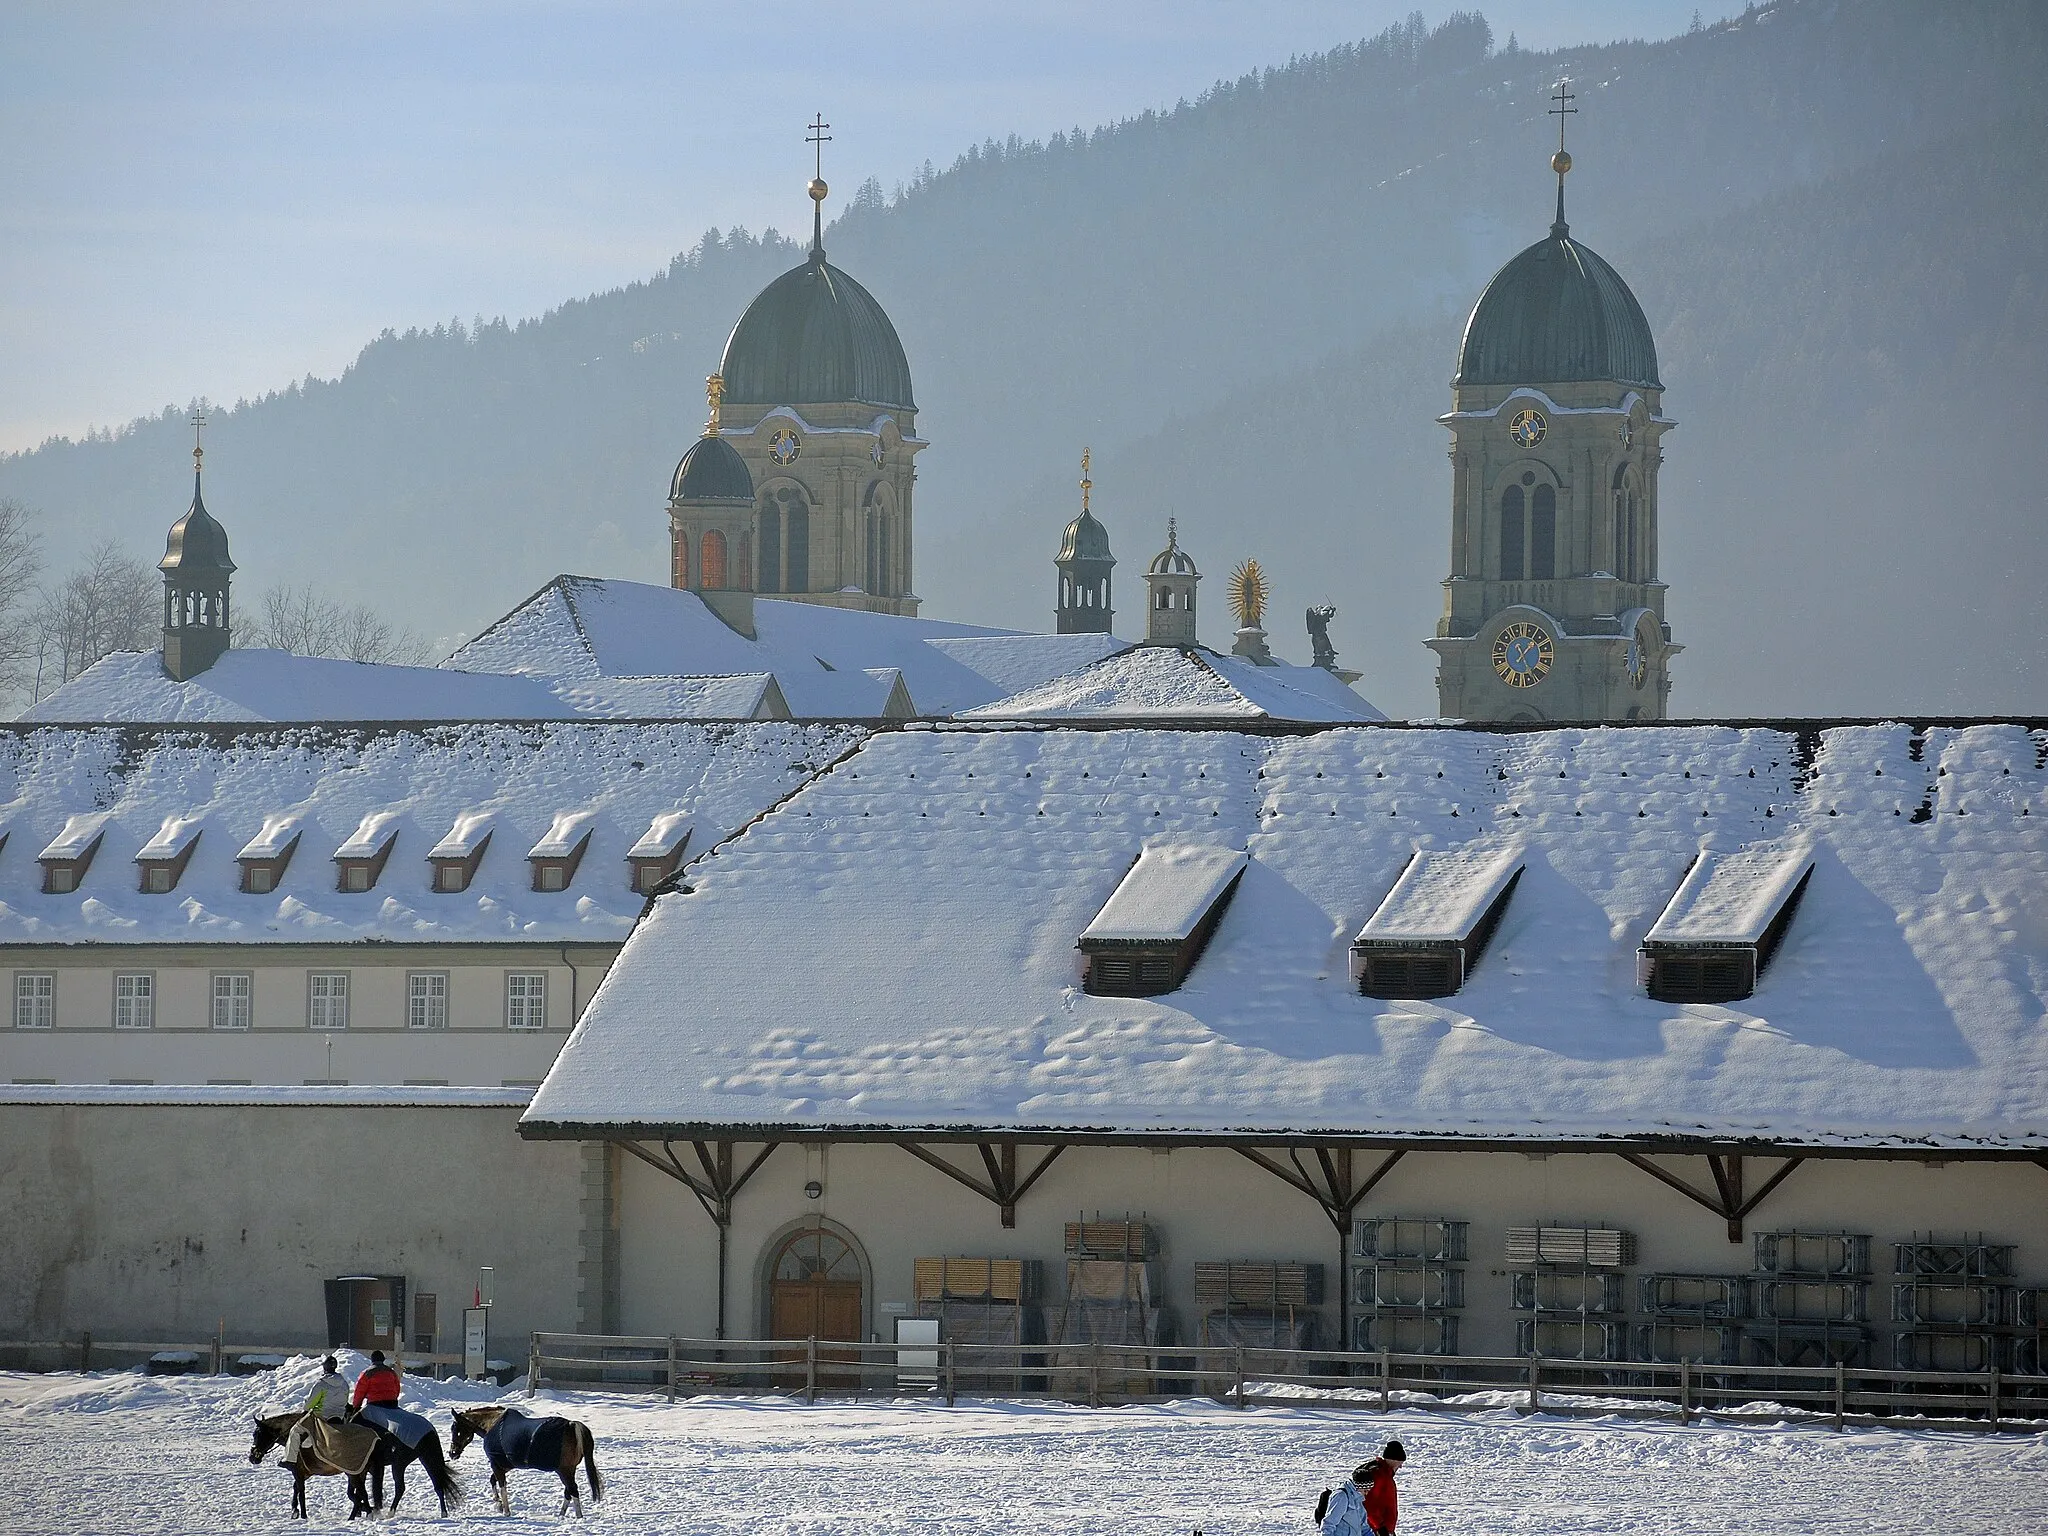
408,1438
514,1439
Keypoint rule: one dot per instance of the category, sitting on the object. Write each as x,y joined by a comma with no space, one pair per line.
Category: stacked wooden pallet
1590,1247
977,1279
1124,1239
1247,1283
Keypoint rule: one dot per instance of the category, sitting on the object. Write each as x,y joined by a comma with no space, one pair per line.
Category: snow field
120,1452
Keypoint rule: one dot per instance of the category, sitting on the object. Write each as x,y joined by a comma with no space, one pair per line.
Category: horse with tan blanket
326,1449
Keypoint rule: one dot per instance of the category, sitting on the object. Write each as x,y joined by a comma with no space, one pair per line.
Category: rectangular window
551,877
233,1000
327,1000
355,877
450,877
157,878
135,1000
259,878
35,999
526,1000
426,1000
62,878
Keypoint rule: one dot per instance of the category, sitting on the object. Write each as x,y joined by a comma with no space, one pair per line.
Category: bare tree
21,563
303,621
109,604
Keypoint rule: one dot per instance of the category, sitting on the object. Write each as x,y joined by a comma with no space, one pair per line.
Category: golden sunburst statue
1248,594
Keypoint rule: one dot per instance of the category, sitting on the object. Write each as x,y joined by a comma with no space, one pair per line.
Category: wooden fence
1106,1373
215,1354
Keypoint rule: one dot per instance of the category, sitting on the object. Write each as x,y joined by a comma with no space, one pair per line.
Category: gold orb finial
1561,162
818,189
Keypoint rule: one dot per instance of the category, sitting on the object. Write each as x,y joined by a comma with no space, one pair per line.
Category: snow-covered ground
117,1452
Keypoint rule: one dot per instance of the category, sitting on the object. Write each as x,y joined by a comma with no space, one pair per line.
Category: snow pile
942,877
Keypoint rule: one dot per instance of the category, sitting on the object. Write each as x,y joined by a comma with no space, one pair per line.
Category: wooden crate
976,1279
1222,1283
1595,1247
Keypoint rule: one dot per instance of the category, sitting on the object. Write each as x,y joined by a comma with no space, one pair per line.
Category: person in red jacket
1382,1502
377,1386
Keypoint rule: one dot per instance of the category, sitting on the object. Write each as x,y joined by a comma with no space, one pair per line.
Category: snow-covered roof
564,833
1169,890
172,838
1164,682
940,874
1730,898
260,1095
1442,894
277,833
352,790
467,834
872,693
663,836
746,696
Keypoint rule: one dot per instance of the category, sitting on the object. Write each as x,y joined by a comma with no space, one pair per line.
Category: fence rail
1104,1373
215,1352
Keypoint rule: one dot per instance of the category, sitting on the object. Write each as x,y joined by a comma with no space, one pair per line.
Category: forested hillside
1249,306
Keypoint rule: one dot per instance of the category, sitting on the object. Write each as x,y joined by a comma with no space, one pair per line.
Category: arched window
888,587
796,524
1512,566
744,577
680,576
1543,533
711,561
771,546
1624,527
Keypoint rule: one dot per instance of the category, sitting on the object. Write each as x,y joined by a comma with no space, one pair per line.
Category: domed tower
1170,594
1553,609
818,404
1084,563
711,523
196,569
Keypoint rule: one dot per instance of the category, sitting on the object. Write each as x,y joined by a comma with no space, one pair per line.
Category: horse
514,1439
398,1455
273,1431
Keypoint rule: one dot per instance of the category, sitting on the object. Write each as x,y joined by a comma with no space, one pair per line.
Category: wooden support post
946,1365
1994,1394
1240,1377
532,1366
85,1352
1841,1393
1386,1381
1095,1376
215,1352
1685,1390
811,1368
672,1367
1535,1381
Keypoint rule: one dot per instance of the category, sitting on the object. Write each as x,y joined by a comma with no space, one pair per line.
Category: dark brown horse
396,1454
514,1439
273,1431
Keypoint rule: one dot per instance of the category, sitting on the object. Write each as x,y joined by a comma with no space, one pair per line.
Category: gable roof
940,874
1165,682
437,790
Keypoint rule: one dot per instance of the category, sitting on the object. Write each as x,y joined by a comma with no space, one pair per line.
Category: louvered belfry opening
1435,923
1723,924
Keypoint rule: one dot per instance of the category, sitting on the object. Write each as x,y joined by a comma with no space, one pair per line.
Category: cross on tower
818,138
1561,161
198,432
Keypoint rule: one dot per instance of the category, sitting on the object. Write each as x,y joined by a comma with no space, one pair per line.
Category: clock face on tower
1522,654
784,446
1527,427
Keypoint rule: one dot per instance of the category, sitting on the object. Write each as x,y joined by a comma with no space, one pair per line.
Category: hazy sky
215,198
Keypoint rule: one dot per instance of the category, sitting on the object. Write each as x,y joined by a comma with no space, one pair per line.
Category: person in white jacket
328,1399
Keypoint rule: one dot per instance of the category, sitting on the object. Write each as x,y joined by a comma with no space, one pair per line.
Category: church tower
711,523
1084,564
196,569
1553,609
818,407
1170,594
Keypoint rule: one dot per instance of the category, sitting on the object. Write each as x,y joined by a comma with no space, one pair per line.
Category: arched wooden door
815,1292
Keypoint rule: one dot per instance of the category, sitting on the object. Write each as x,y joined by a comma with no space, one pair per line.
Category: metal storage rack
1572,1292
1692,1317
1408,1284
1811,1299
1957,1308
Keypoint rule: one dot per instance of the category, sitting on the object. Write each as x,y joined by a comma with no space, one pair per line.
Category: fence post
672,1367
1386,1381
1095,1375
85,1352
1994,1394
1535,1381
811,1368
532,1366
1240,1375
1685,1390
1841,1393
946,1365
214,1351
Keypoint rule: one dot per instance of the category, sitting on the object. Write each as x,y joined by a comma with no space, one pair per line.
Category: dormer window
360,861
659,853
265,857
1430,931
71,852
1722,925
1153,928
555,857
456,857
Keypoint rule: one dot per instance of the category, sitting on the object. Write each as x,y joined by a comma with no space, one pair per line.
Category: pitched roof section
1901,1010
353,791
1163,682
1731,898
1167,893
1442,895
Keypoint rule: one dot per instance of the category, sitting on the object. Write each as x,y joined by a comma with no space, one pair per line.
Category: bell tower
1553,609
1084,563
196,569
1170,594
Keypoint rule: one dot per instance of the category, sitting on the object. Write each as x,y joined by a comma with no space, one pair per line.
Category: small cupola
1084,563
711,522
1170,593
196,569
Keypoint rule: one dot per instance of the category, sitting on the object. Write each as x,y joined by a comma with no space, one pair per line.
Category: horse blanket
347,1446
518,1441
409,1429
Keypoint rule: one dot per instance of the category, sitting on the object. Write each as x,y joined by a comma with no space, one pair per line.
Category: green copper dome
711,471
1557,314
813,336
